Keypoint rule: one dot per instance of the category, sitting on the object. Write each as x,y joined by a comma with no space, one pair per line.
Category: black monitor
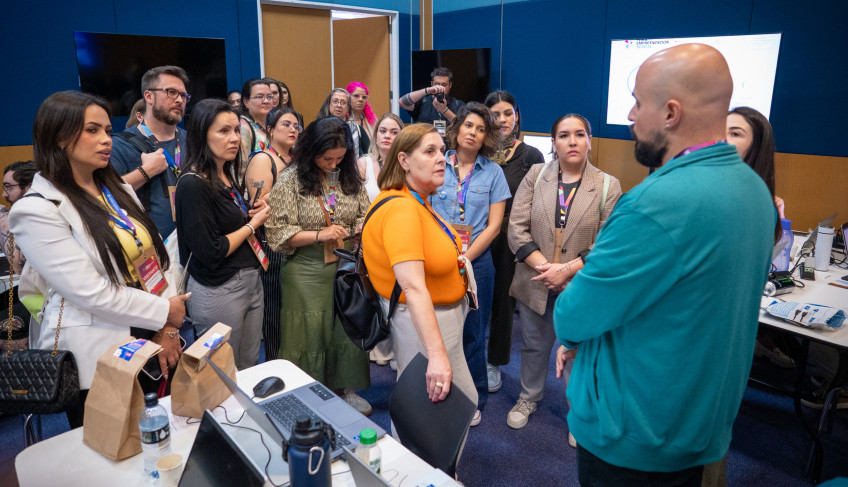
471,71
111,65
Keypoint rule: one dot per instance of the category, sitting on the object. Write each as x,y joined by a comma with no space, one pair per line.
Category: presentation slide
752,60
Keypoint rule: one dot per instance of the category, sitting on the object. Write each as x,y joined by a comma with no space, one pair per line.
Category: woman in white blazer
83,247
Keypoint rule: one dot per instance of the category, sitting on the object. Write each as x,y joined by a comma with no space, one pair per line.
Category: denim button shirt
487,186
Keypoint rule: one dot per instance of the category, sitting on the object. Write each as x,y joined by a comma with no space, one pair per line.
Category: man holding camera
433,103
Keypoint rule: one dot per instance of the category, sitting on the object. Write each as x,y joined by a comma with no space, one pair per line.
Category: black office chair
434,432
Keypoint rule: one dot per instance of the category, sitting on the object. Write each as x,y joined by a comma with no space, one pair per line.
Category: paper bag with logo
196,387
115,400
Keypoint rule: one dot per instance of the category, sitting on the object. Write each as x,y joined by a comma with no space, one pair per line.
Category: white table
66,460
818,292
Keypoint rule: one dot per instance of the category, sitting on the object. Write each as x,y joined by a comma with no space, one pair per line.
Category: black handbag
37,381
356,303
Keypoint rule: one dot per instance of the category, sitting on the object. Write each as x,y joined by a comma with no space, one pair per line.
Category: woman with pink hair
361,115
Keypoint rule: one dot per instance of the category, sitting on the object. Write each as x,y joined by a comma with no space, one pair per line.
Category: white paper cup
170,468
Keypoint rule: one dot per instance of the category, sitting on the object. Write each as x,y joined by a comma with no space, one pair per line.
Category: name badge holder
150,274
252,241
465,231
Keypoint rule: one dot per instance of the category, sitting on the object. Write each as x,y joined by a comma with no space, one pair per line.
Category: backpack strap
393,301
143,146
541,171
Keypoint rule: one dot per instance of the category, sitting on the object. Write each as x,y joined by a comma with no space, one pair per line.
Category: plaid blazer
532,220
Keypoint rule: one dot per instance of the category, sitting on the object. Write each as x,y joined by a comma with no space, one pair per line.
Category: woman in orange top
431,276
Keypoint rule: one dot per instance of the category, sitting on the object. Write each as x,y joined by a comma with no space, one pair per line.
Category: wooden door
361,53
298,52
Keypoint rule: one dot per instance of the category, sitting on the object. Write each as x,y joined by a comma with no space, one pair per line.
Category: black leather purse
37,381
356,303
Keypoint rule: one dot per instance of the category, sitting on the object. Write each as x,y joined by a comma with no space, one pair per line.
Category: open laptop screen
215,460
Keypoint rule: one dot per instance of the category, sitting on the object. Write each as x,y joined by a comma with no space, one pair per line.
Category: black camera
440,97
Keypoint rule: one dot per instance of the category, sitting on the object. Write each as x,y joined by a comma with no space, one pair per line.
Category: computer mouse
268,386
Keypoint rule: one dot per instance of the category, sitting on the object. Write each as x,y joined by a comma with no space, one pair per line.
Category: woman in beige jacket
556,214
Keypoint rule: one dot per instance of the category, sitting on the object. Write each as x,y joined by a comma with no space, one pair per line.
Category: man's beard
650,153
164,115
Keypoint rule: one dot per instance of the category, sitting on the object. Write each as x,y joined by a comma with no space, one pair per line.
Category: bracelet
252,230
425,91
444,112
316,237
143,173
543,263
171,334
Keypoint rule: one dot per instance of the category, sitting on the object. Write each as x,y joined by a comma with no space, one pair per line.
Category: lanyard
461,192
330,203
563,203
239,201
695,147
442,224
173,162
124,221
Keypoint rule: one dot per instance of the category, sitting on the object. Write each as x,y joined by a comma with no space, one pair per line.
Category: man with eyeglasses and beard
17,178
148,155
664,313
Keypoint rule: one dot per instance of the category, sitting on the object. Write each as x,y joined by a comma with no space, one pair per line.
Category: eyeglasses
360,97
338,103
289,125
173,94
259,98
7,186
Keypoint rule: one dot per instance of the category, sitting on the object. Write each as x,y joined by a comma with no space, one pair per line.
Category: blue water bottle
783,259
308,453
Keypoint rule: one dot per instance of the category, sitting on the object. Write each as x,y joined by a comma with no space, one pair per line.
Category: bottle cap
368,436
151,399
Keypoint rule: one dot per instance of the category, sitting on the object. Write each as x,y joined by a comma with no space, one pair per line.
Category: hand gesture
554,277
154,163
259,213
439,376
563,355
333,232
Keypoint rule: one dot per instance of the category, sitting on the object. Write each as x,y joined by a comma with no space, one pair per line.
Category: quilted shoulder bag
355,302
37,381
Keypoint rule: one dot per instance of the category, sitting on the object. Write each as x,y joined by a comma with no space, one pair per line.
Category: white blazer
96,313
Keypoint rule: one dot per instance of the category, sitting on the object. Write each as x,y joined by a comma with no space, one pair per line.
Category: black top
205,215
516,168
425,112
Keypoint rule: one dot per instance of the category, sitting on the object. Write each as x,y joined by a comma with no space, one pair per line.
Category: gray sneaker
520,413
357,402
493,375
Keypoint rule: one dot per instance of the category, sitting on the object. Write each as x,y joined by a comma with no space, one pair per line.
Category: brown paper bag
196,387
115,400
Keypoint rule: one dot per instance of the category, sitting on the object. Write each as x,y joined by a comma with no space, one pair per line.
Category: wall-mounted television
111,65
752,60
471,71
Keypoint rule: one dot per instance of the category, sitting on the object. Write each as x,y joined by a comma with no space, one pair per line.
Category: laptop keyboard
286,409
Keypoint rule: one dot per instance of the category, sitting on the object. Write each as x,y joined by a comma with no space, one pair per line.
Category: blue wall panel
39,58
556,55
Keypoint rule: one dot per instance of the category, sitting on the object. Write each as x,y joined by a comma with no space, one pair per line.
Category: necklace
501,155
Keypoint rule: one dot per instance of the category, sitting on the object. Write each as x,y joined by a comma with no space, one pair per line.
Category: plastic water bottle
784,258
155,434
368,451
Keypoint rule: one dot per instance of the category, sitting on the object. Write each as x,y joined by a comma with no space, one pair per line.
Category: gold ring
440,384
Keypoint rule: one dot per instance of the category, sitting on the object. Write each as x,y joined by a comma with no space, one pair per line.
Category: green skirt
310,337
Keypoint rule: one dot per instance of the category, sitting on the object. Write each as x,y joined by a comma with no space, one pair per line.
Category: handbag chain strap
12,307
11,317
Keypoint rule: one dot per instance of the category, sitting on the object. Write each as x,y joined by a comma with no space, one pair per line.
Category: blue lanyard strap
442,224
173,165
123,221
239,201
461,188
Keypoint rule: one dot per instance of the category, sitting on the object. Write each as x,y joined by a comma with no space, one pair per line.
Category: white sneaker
520,413
493,374
571,441
357,402
393,364
478,416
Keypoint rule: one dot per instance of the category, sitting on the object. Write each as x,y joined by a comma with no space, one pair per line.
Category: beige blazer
532,220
